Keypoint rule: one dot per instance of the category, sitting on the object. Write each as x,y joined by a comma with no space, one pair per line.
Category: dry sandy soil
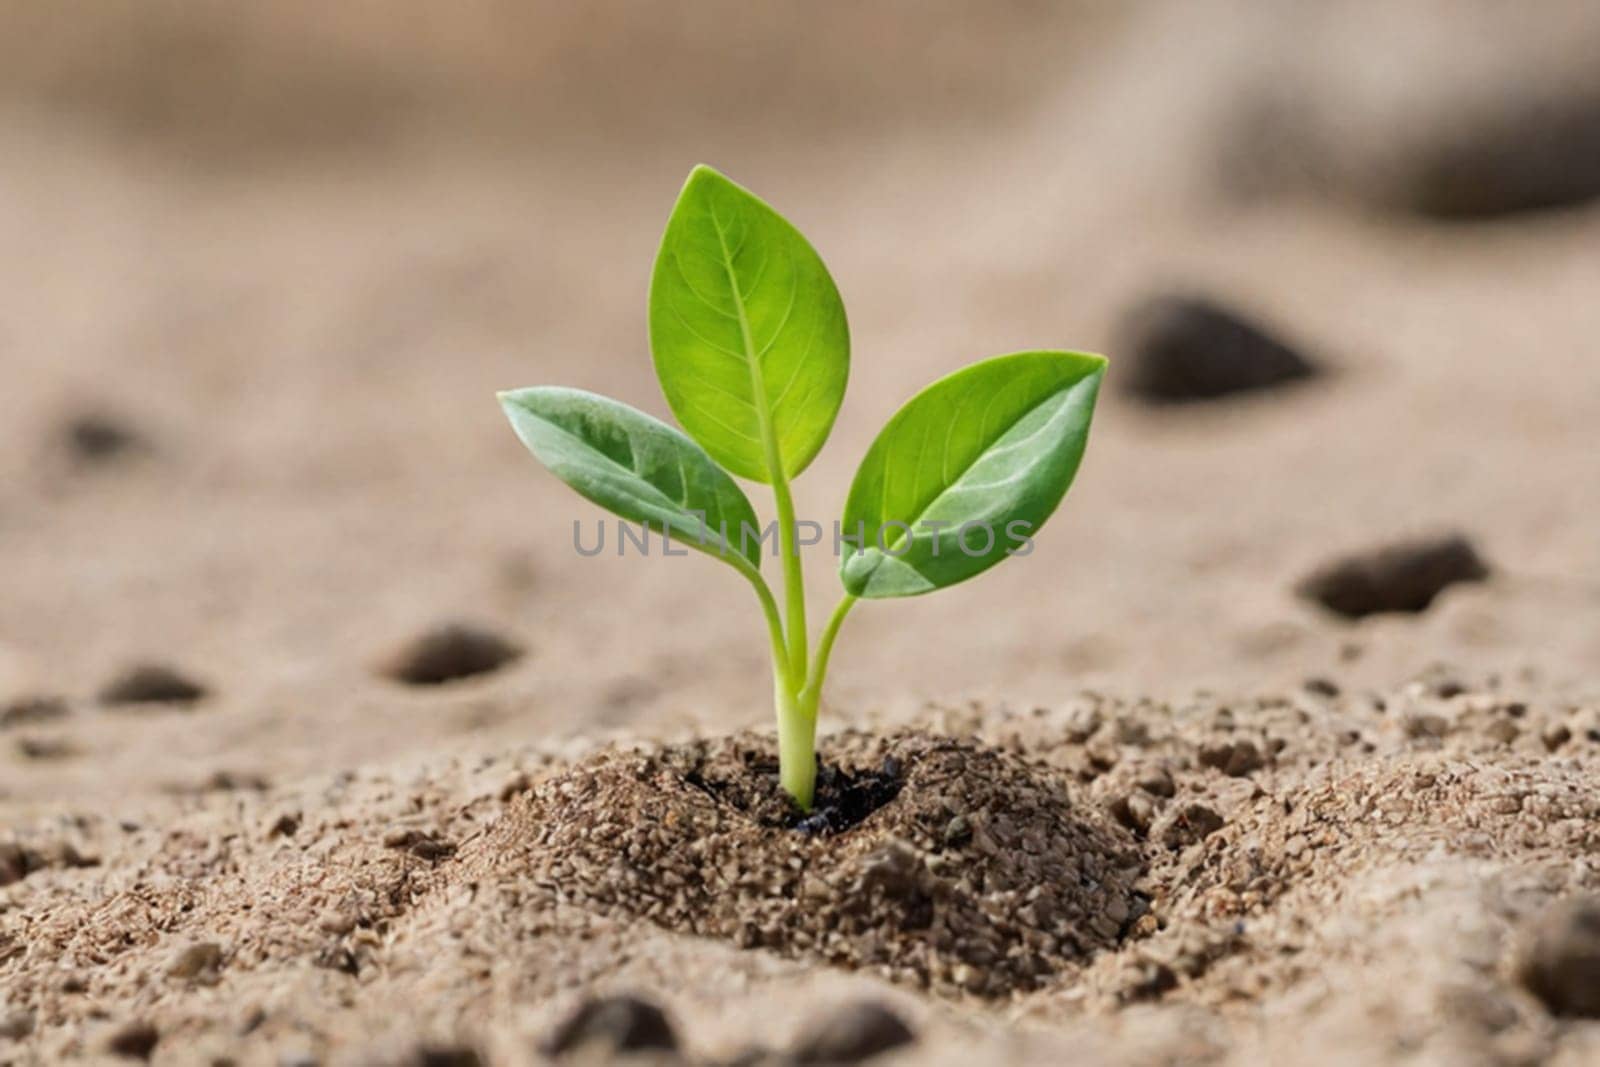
264,268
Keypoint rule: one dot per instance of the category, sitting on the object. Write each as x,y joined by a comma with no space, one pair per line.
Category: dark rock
31,711
421,845
1322,687
16,1025
134,1040
45,748
1561,964
1180,348
286,824
449,652
851,1034
16,862
1185,824
614,1025
1235,758
440,1055
97,436
1403,577
1527,156
151,683
195,961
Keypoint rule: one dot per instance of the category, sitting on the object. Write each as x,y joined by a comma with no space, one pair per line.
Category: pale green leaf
747,330
967,471
635,466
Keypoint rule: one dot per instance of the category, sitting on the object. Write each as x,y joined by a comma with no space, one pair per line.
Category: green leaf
635,466
995,444
747,330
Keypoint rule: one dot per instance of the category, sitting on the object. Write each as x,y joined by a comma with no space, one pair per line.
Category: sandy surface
301,313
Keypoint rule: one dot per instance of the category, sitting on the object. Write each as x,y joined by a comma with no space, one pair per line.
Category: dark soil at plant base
979,872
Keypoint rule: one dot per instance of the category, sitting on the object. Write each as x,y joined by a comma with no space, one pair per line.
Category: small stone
195,960
31,711
286,824
421,845
1179,348
447,653
611,1026
1082,722
1555,735
151,683
1404,577
1503,730
1235,759
1136,811
1157,781
1321,687
852,1033
16,1025
442,1055
97,436
46,749
1561,964
14,862
1186,824
134,1040
958,831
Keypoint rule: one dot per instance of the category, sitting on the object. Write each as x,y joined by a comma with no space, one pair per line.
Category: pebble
449,652
612,1025
151,683
1177,348
1403,577
1561,963
195,960
134,1040
853,1033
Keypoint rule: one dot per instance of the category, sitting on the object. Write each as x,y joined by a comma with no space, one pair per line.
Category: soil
319,744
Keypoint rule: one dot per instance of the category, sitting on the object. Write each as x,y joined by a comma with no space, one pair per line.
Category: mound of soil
983,872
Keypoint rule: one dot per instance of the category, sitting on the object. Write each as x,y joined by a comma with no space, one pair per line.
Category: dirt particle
134,1040
45,749
609,1026
1186,824
151,683
1235,759
1403,577
196,961
422,845
1157,781
93,437
1181,348
447,653
1322,687
16,1025
441,1055
852,1033
1555,735
287,824
1561,963
1527,155
1503,731
32,711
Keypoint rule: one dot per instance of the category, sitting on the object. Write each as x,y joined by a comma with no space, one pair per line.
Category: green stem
797,747
769,608
794,590
811,695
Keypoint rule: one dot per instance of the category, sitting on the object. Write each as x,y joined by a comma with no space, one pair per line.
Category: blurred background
264,265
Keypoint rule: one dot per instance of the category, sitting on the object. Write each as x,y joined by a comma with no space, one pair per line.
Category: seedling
751,347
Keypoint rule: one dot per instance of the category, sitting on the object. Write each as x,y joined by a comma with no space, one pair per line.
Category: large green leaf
995,444
635,466
747,330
